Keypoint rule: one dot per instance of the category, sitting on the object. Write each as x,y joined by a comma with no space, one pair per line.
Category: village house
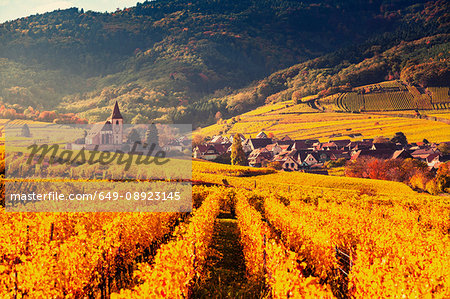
180,144
401,154
242,137
310,155
211,151
312,159
334,145
274,148
385,146
259,157
262,135
424,153
384,154
338,154
253,143
300,157
341,144
283,155
302,145
205,152
359,145
219,140
290,164
173,145
434,160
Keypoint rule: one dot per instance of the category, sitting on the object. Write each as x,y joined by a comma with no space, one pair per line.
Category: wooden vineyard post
28,239
16,282
195,256
264,255
52,228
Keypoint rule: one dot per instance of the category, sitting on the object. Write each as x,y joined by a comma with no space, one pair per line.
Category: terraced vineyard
440,97
331,125
393,96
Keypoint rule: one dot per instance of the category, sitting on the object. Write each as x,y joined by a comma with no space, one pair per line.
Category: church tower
117,125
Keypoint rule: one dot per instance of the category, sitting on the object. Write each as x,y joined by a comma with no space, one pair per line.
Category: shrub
338,163
432,187
443,177
408,171
418,181
277,165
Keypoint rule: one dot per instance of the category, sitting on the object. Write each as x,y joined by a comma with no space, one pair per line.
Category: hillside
183,61
421,65
301,121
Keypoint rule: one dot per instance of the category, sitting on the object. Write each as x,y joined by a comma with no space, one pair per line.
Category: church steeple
116,112
117,125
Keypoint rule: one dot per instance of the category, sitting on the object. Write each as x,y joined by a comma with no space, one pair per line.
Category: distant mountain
182,60
419,64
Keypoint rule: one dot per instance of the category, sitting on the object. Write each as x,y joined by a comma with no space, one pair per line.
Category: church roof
107,126
100,126
116,112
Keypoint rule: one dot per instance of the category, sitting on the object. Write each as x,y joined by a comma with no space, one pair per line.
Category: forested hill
165,60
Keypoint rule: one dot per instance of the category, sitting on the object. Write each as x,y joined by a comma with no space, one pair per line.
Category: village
265,150
311,155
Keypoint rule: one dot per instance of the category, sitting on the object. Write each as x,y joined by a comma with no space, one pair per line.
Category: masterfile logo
53,167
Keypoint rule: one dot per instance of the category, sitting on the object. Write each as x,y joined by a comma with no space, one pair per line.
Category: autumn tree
296,97
197,139
218,116
238,156
443,177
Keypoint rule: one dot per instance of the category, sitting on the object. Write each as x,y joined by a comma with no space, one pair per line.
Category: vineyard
393,96
386,109
299,235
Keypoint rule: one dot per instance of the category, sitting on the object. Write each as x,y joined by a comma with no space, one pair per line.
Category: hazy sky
13,9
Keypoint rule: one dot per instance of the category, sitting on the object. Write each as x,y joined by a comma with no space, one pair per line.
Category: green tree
151,136
444,148
133,137
238,156
26,131
400,138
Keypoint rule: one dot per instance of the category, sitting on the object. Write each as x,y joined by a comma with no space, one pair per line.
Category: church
105,136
